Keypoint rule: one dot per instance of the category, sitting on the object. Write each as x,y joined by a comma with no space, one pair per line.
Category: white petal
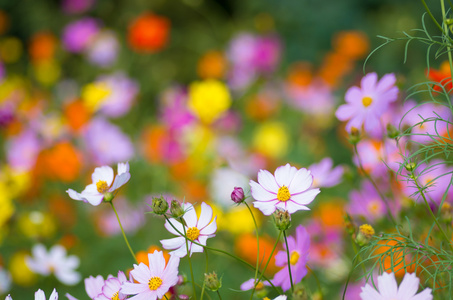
292,207
302,180
68,277
181,251
408,287
211,228
284,174
39,295
156,261
266,208
120,180
173,243
190,216
267,180
129,288
54,295
94,200
104,173
70,297
424,295
261,194
74,195
369,293
306,197
123,168
205,216
170,223
387,285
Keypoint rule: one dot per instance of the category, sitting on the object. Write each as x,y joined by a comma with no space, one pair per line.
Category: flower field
213,149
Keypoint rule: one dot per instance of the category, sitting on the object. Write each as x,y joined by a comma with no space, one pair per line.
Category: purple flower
298,256
367,203
316,98
123,91
112,286
324,175
79,34
103,51
174,112
365,105
267,53
22,151
106,143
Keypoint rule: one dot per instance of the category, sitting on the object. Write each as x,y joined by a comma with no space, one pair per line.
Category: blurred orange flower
245,247
77,114
352,44
142,256
148,33
61,162
212,65
42,46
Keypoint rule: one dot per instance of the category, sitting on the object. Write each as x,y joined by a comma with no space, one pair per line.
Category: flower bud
282,219
350,228
392,132
212,282
365,234
354,136
410,166
182,279
160,205
176,209
237,195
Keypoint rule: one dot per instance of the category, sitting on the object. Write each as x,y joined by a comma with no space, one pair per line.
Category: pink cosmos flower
249,284
93,285
112,286
324,175
55,261
298,252
365,105
290,189
153,281
366,202
39,295
388,289
102,184
197,230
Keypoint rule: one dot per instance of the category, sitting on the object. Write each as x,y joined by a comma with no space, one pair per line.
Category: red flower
148,33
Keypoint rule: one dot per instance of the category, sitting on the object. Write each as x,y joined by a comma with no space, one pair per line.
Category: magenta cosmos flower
290,189
103,184
197,230
298,256
388,289
153,281
365,105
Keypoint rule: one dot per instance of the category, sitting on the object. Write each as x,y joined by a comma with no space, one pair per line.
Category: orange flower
148,33
42,46
392,251
352,44
211,65
441,76
77,114
62,162
142,256
300,74
245,247
331,214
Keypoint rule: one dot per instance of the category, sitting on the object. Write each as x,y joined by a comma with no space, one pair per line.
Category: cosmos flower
78,35
112,286
365,105
93,286
366,202
103,50
388,289
298,252
102,184
197,230
39,295
153,281
324,175
289,189
55,261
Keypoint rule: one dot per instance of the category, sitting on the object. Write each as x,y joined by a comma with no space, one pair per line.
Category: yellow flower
20,272
47,71
238,220
94,94
271,139
209,99
10,49
37,224
6,205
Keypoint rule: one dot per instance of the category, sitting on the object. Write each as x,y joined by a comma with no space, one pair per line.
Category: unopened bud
160,205
237,195
182,279
365,234
410,166
212,282
392,132
282,219
354,136
176,209
349,225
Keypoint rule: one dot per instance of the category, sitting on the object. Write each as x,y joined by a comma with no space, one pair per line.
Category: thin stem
431,15
257,248
226,253
190,262
374,185
165,296
317,281
218,293
444,17
289,261
430,211
206,272
124,234
359,258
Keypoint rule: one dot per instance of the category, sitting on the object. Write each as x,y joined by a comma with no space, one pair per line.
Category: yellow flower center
102,186
193,233
265,298
283,194
373,207
259,286
367,101
154,283
115,296
367,230
294,258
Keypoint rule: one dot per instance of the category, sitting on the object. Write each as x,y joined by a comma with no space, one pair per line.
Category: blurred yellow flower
271,139
209,99
47,71
16,183
37,224
94,94
10,49
19,270
238,220
6,207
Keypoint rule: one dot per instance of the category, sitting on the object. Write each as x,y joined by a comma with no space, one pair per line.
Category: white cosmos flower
102,184
197,230
55,261
388,289
39,295
290,189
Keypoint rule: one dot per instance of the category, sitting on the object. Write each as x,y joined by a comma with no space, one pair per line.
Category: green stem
226,253
374,185
431,15
190,262
206,272
289,261
430,211
257,248
124,234
359,258
218,293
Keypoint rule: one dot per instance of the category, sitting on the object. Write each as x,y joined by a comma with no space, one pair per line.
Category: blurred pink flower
367,203
290,189
316,98
103,50
324,175
131,218
365,105
197,230
22,151
79,34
